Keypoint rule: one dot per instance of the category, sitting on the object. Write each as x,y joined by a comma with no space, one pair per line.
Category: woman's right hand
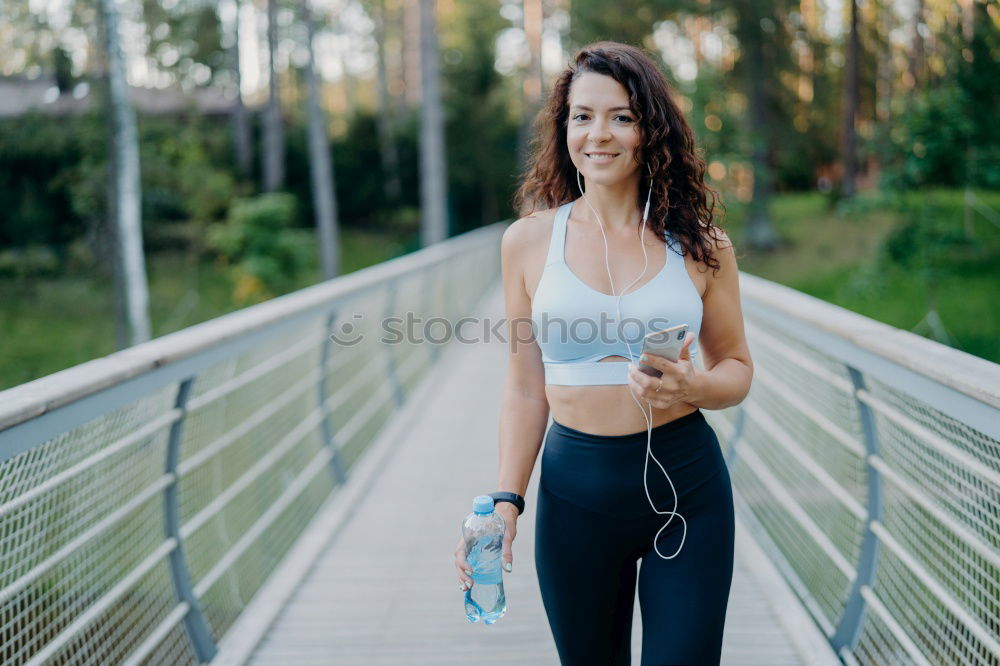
509,513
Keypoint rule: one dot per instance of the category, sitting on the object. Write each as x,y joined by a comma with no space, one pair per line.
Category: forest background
854,144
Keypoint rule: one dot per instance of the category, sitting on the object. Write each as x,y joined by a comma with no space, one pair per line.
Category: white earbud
647,416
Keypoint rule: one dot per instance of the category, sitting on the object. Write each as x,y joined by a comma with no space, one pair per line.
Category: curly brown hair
681,201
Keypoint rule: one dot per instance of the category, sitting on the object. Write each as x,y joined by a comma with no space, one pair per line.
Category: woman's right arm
524,410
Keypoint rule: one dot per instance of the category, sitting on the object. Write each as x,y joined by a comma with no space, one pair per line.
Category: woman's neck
615,206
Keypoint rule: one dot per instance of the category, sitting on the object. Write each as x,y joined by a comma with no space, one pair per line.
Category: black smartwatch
513,498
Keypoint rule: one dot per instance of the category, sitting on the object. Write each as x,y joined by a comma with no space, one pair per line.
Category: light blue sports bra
575,325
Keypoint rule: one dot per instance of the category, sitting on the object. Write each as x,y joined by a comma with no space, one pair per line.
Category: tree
479,119
849,155
387,144
433,168
320,166
531,88
241,124
274,133
127,194
754,19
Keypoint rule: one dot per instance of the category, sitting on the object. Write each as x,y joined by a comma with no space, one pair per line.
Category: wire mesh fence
145,497
868,461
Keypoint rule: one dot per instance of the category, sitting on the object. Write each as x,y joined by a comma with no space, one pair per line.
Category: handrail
27,401
864,460
867,462
111,471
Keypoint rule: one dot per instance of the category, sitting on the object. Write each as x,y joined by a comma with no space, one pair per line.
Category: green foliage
927,141
892,257
185,39
358,172
257,241
30,261
35,192
54,181
51,322
185,177
948,134
481,131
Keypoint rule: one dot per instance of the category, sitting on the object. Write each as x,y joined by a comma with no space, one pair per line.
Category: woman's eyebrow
614,108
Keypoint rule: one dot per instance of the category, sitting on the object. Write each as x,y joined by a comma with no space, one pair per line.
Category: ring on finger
659,386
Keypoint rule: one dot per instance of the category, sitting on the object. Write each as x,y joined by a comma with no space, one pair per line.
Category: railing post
848,631
390,368
336,464
741,417
198,631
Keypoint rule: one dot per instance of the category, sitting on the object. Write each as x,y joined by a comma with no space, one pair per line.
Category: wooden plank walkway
371,600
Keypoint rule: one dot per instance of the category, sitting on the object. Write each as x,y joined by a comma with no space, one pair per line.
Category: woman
612,138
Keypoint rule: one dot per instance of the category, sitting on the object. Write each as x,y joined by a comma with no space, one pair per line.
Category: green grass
838,255
48,324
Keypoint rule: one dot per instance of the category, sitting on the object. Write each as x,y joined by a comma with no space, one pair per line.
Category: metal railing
147,495
867,461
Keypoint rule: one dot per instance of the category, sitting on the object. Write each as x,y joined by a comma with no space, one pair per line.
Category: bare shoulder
723,252
530,227
720,240
525,234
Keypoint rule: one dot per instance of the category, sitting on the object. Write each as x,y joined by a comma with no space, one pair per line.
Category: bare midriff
602,409
606,410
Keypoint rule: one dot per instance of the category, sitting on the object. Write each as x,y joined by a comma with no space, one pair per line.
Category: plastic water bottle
483,532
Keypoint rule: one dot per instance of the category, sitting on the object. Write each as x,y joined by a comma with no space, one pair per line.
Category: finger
633,383
463,568
686,346
643,382
507,555
464,579
653,361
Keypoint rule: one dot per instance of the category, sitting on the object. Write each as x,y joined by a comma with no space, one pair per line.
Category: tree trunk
883,106
274,134
760,233
410,23
531,88
433,170
127,191
917,53
850,108
320,165
241,124
348,86
387,144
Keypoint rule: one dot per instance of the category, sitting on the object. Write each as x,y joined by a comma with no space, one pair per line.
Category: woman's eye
581,117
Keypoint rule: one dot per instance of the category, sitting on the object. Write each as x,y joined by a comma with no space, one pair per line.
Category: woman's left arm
725,381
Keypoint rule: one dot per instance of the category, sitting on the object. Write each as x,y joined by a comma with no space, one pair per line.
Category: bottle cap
482,504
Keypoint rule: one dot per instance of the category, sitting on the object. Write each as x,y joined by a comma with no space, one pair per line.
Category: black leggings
594,522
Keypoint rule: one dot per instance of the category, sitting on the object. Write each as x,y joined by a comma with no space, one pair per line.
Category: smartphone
666,343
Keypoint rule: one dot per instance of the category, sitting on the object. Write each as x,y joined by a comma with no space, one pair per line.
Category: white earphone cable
648,417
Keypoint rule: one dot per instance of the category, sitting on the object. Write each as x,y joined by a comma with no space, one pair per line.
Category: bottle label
487,577
485,560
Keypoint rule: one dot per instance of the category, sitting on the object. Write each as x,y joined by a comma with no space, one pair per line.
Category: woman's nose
599,132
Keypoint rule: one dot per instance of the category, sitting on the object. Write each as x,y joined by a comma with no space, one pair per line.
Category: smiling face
602,132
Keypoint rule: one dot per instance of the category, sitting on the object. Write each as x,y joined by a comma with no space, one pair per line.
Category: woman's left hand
678,378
